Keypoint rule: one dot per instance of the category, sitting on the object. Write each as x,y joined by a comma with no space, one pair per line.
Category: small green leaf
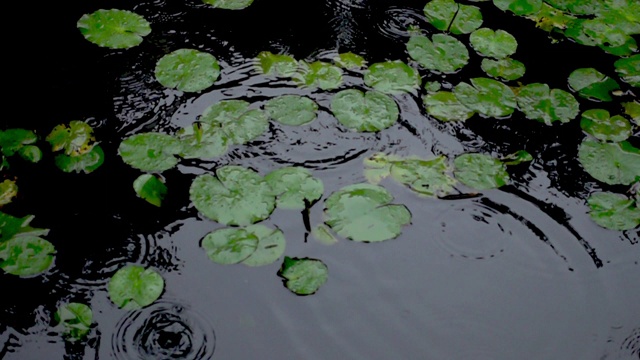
540,103
150,188
187,70
504,69
613,211
517,158
303,276
230,245
12,140
276,64
292,110
350,61
150,151
364,112
271,245
444,106
293,186
133,287
30,153
319,74
392,77
487,97
229,4
11,226
598,123
480,171
447,15
632,109
236,121
8,190
26,255
611,163
87,162
115,29
432,86
443,53
202,141
497,44
425,177
519,7
629,70
592,84
75,319
75,139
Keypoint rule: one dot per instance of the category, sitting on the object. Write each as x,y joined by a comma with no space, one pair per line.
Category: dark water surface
520,272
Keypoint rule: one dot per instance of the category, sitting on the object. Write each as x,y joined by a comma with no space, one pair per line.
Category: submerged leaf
487,97
598,123
322,233
115,29
229,4
75,319
350,60
443,105
303,276
505,69
134,287
447,15
442,53
294,187
592,84
611,163
292,109
613,211
392,77
150,188
230,245
629,70
150,151
426,177
540,103
370,111
26,255
187,70
237,123
480,171
497,44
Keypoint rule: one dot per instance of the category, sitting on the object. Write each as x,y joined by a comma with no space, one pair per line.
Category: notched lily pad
613,211
444,106
115,29
26,255
540,103
11,226
150,151
611,163
447,15
428,177
294,186
592,84
74,139
229,4
150,188
504,69
133,287
350,61
86,162
599,124
271,245
238,123
8,190
392,77
442,53
319,74
15,140
632,109
487,97
497,44
229,246
202,141
364,112
519,7
480,171
75,320
279,65
629,70
303,276
292,110
187,70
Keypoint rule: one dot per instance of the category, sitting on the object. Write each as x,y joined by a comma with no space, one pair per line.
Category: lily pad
611,163
599,124
443,53
150,188
292,109
229,246
271,245
392,77
13,140
443,105
30,153
319,74
480,171
350,61
497,44
150,151
632,109
134,287
592,84
505,69
303,276
202,141
583,7
75,319
487,97
8,190
629,70
551,19
540,103
432,86
447,15
236,196
236,121
293,186
26,255
426,177
86,162
322,233
187,70
363,212
517,158
519,7
229,4
115,29
75,139
279,65
11,226
613,211
364,112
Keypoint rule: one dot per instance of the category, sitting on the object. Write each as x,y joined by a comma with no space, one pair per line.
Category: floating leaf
236,121
443,53
13,140
432,86
447,15
236,196
30,153
11,226
517,158
392,77
582,7
319,74
613,211
487,97
87,162
362,212
480,171
26,255
426,177
322,233
75,319
75,139
519,7
370,111
277,64
505,69
271,245
229,246
443,105
115,29
187,70
293,186
497,44
629,70
303,276
350,60
378,166
598,123
150,188
8,190
202,141
592,84
604,33
632,108
611,163
229,4
292,109
133,287
550,18
150,151
540,103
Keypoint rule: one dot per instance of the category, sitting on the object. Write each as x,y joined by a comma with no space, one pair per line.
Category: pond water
520,271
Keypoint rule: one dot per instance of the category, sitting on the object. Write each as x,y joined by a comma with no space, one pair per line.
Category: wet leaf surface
599,124
613,211
187,70
442,53
611,163
303,276
480,171
26,255
365,112
114,28
294,187
134,287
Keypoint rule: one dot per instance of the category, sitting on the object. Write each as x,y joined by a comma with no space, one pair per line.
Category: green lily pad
363,212
582,7
30,153
432,86
447,15
350,61
517,158
443,105
134,287
87,162
236,196
292,109
11,226
592,84
150,151
12,140
632,109
202,141
497,44
443,53
75,139
303,276
229,4
150,188
277,64
504,69
378,166
629,70
229,246
236,121
293,185
319,74
613,211
551,19
540,103
425,177
487,97
392,77
611,163
115,29
364,112
604,33
8,190
75,319
519,7
187,70
599,124
480,171
26,255
271,245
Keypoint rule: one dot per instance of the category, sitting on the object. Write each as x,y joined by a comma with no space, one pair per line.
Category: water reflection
398,21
